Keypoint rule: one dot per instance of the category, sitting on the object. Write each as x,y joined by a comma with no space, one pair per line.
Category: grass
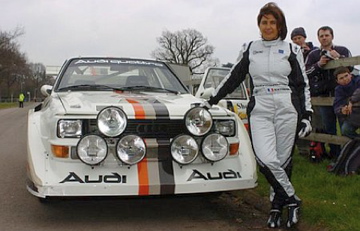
329,200
8,105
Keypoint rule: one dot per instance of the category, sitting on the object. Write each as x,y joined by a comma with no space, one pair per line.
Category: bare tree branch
187,47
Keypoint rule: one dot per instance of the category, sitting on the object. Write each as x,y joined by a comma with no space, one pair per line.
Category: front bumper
145,178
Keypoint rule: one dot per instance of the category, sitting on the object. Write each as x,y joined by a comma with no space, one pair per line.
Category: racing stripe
143,177
152,156
142,166
138,108
159,172
166,170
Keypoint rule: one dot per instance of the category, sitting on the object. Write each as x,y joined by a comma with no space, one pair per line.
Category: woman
279,106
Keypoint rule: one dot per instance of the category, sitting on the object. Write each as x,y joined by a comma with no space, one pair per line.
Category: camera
326,53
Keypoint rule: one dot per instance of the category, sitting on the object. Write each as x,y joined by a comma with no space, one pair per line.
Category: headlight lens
225,127
184,149
198,121
69,128
111,121
131,149
215,147
92,149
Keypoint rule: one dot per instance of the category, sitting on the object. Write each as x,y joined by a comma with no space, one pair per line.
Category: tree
13,63
188,47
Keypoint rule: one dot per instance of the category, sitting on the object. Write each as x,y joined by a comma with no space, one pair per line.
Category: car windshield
216,75
102,74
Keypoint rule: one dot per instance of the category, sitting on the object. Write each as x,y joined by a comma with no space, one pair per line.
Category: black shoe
293,214
274,218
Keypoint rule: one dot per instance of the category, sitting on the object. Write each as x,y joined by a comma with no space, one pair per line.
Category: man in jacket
322,81
21,100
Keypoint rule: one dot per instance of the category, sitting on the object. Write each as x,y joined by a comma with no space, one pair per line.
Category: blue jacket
343,94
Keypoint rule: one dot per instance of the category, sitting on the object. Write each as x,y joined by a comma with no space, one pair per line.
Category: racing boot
293,212
274,220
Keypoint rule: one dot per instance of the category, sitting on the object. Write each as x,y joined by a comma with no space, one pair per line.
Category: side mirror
46,90
207,93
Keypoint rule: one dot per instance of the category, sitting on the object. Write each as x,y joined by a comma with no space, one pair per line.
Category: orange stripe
142,167
139,110
143,177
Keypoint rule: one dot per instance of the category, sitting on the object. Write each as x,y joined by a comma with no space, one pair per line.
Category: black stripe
166,170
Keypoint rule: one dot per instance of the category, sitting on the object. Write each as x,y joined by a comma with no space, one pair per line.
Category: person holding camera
322,82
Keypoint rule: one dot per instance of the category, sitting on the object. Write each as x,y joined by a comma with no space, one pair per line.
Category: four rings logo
151,128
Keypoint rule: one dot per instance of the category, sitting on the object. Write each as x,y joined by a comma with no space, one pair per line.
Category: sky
55,30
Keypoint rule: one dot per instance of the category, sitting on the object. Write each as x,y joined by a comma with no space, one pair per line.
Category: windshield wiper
149,88
86,87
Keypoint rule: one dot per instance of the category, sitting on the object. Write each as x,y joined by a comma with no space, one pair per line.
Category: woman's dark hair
273,9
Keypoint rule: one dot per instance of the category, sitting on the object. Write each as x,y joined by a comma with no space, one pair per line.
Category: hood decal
160,176
149,108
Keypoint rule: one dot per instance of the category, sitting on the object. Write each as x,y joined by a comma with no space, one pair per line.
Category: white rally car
236,101
129,127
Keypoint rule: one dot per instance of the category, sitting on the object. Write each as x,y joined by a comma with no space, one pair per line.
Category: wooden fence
328,101
326,138
316,101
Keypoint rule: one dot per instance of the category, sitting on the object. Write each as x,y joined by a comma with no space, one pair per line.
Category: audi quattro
129,127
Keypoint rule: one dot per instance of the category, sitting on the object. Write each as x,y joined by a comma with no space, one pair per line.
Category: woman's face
268,27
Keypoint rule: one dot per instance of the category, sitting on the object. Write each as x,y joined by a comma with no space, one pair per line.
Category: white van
236,102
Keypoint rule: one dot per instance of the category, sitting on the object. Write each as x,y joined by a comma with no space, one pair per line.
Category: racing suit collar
268,43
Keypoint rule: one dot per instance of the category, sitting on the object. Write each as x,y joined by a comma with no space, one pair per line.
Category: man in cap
298,36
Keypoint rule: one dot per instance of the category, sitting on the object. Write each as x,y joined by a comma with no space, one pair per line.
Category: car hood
135,105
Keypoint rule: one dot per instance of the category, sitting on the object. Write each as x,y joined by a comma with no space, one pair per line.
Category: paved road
19,210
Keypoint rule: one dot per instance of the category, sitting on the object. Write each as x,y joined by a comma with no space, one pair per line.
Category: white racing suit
280,97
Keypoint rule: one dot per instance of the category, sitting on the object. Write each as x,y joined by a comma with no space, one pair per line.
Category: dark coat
354,117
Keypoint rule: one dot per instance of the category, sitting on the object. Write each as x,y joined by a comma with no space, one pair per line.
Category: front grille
147,128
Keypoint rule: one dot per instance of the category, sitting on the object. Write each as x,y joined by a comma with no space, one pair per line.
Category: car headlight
69,128
111,121
131,149
92,149
215,147
184,149
225,127
198,121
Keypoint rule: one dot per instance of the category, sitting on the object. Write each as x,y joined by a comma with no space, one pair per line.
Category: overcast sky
59,29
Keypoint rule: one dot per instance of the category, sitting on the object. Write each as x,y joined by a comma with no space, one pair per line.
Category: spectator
298,36
21,100
279,107
347,101
322,81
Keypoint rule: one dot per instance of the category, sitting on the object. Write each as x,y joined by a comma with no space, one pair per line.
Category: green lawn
8,105
328,200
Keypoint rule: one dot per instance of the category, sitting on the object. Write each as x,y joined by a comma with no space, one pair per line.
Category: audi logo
151,128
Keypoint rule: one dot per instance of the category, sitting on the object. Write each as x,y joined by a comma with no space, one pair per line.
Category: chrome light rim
131,149
198,121
92,149
215,147
69,128
111,121
184,149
